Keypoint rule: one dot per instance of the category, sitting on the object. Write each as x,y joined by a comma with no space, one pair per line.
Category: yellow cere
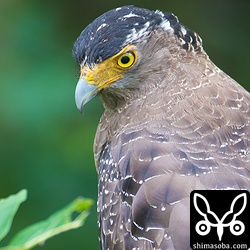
112,69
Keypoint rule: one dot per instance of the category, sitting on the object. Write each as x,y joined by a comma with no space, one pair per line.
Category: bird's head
116,52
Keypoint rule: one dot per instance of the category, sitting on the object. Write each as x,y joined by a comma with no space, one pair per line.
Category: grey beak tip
84,93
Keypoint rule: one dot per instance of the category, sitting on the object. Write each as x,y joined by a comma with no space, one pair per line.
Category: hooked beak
84,93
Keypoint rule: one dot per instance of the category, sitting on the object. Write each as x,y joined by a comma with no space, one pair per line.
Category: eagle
173,123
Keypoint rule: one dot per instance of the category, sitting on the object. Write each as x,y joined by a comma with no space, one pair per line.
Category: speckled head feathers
113,30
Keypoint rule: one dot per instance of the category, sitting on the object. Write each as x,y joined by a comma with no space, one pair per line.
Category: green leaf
12,248
70,217
8,209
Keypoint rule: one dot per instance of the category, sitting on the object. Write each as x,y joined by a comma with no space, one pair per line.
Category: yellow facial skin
110,70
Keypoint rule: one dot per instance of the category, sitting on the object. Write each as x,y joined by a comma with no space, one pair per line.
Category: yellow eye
126,60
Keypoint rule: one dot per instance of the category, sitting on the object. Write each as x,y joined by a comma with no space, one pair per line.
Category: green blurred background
45,144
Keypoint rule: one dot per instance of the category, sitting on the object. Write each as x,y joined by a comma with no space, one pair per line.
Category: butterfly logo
210,219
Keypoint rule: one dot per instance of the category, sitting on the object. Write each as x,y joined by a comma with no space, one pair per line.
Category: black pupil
125,59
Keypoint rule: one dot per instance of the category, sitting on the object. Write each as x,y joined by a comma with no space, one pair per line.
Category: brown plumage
174,123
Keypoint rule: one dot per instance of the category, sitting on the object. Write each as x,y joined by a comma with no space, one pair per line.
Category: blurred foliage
70,217
8,209
45,144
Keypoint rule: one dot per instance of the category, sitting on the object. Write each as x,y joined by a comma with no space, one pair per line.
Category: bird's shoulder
203,120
